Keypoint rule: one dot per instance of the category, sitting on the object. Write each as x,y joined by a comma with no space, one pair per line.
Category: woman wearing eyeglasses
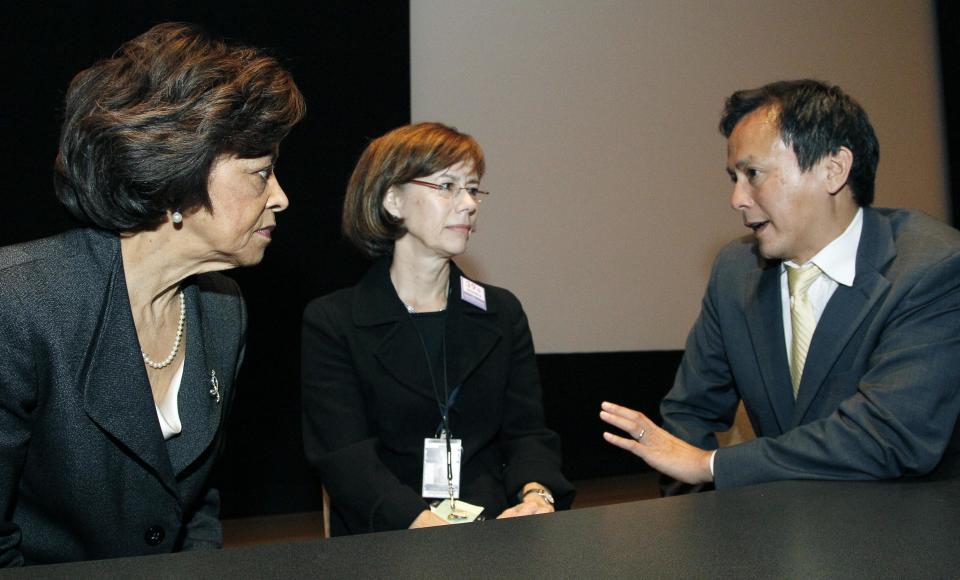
421,397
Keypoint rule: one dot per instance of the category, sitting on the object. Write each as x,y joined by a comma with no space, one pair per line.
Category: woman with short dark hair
421,397
119,345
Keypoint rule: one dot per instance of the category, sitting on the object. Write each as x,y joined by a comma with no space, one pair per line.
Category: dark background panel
574,385
948,27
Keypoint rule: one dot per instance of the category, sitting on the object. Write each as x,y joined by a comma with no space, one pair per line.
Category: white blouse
167,411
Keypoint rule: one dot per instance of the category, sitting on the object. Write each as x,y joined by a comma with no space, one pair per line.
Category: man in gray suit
836,324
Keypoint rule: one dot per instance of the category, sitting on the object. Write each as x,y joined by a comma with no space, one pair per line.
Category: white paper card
435,467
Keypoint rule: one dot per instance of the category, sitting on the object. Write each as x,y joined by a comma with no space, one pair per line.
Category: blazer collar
845,312
116,391
766,333
377,301
199,410
847,308
471,332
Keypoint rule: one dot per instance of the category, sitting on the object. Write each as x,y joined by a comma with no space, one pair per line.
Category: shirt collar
839,259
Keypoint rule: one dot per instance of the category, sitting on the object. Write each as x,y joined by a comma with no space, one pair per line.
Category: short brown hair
141,129
405,153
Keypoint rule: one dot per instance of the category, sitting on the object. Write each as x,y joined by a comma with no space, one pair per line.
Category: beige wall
598,118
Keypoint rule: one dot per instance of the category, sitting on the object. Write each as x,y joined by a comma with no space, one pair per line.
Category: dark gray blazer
368,403
880,392
84,470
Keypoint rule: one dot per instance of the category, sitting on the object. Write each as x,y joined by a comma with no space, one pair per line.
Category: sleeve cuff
397,510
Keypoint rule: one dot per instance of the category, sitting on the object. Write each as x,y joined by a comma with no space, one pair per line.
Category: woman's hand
427,519
661,450
531,504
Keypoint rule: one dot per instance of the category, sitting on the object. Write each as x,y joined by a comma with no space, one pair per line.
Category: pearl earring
176,217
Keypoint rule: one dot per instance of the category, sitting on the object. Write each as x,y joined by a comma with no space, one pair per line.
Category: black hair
816,119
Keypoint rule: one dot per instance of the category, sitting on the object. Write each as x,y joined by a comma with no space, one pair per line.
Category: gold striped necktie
801,318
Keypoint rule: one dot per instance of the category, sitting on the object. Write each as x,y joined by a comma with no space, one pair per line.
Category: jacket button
154,535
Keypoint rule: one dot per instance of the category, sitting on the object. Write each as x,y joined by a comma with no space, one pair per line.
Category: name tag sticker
473,293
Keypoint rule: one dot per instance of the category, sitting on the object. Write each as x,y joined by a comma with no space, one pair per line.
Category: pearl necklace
176,341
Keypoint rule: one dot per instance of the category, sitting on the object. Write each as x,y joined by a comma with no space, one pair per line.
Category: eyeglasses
449,190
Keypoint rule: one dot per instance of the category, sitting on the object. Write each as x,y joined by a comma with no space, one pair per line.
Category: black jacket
368,403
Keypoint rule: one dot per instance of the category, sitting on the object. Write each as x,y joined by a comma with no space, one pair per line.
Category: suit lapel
847,309
471,331
765,323
116,391
401,354
200,413
383,319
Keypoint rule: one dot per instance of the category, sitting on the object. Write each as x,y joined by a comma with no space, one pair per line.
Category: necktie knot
800,279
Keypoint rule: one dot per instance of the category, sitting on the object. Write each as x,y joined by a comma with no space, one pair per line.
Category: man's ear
838,169
391,202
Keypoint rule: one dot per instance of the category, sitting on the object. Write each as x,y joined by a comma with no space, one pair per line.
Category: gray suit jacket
84,470
880,392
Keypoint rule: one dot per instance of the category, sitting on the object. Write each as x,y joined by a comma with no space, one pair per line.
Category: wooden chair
326,513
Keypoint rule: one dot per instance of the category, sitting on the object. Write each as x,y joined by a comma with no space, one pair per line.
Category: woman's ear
391,202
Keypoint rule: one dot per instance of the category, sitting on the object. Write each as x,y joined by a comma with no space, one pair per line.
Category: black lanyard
444,404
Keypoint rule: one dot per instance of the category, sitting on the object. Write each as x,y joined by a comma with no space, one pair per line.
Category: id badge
435,467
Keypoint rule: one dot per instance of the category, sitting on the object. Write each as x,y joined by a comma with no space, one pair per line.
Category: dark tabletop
895,529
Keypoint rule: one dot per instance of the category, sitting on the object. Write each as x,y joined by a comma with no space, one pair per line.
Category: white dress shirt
837,261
